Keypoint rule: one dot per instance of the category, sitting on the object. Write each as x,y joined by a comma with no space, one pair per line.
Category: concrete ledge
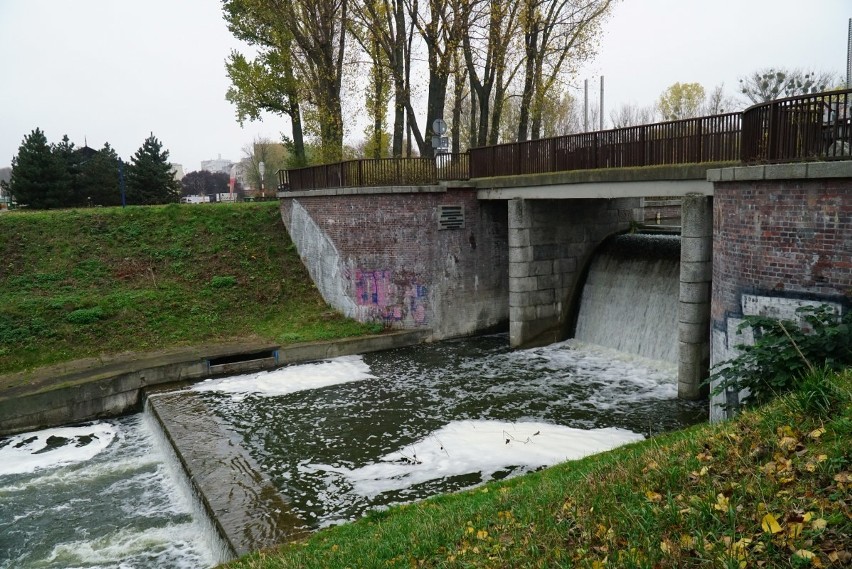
246,509
792,171
92,388
635,174
436,189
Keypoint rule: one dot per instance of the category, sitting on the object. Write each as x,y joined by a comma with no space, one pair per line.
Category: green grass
81,283
769,489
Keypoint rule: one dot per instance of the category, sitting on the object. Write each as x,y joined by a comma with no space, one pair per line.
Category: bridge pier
550,241
696,273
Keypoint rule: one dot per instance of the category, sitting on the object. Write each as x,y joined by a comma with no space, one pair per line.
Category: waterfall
630,298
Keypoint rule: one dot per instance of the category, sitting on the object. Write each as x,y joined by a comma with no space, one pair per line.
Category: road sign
439,126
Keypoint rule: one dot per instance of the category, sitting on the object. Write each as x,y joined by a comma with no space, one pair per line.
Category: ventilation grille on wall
450,216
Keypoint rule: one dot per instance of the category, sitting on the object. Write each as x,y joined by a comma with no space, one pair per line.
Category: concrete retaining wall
54,397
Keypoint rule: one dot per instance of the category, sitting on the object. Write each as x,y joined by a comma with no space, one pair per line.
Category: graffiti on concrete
392,298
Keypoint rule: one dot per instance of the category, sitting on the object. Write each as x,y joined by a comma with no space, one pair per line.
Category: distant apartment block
217,165
177,171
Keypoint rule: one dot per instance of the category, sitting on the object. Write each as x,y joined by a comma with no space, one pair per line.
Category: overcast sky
116,70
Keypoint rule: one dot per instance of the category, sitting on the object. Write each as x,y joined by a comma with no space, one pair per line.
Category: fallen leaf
816,433
795,529
653,496
804,554
721,503
770,524
819,524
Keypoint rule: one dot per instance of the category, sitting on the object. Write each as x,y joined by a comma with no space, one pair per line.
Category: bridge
464,242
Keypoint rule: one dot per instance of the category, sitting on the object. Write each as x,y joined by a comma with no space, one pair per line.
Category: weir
629,301
246,511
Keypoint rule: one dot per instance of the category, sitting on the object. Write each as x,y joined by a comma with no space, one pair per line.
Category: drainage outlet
239,363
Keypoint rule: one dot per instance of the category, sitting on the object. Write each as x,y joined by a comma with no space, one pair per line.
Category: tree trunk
458,94
399,92
531,43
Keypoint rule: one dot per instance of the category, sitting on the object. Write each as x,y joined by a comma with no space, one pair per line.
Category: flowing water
102,495
630,298
401,425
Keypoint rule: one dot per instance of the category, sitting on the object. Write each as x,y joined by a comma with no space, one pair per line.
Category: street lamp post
262,168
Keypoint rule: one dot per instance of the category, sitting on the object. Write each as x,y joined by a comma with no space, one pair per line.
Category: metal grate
450,216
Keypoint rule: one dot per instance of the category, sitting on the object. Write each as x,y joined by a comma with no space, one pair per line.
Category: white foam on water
619,378
291,379
172,542
29,452
485,447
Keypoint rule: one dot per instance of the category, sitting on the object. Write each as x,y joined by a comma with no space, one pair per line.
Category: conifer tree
39,178
99,178
149,176
69,156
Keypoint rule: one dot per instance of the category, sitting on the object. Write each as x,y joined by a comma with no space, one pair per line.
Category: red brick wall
402,270
781,238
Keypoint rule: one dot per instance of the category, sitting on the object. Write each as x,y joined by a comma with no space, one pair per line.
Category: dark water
332,450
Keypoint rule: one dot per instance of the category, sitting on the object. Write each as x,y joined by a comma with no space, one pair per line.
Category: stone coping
439,188
674,172
794,171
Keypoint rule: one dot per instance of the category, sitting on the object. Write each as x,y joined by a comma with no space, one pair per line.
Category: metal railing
364,173
806,127
809,127
453,165
705,139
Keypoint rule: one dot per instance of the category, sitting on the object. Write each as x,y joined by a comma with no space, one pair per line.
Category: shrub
85,315
783,353
223,282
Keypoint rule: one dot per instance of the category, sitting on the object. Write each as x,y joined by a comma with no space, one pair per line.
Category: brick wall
781,238
777,245
382,257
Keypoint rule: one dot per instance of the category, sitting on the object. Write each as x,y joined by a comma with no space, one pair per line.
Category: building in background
217,165
177,171
5,198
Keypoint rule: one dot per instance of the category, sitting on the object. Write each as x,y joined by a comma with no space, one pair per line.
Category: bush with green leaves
83,316
223,282
784,353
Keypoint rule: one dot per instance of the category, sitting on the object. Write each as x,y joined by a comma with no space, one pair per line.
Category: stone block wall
381,257
550,242
777,244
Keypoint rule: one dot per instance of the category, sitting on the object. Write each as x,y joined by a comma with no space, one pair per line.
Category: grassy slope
770,489
82,283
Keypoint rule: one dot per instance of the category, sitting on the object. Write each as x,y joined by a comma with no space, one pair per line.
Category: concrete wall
782,238
59,395
380,256
550,242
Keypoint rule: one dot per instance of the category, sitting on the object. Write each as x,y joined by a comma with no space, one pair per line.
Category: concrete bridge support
550,241
696,273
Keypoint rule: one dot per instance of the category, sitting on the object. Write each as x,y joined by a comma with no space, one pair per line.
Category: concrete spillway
630,299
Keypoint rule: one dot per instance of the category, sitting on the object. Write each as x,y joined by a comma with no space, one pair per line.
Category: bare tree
558,36
631,114
385,28
491,25
717,102
772,83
